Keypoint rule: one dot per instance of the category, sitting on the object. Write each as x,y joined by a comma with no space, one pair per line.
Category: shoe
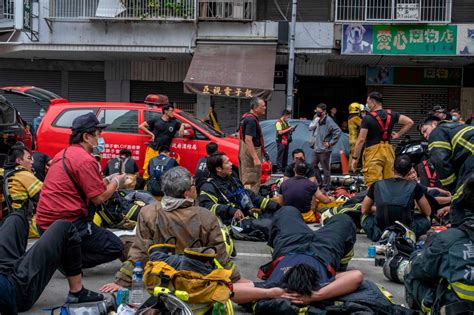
84,296
381,249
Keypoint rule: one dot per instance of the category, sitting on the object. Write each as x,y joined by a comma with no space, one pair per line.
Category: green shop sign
399,39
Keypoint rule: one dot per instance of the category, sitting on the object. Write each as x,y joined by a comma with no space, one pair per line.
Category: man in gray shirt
326,133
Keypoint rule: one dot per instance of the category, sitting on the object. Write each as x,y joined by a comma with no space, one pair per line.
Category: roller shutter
86,86
174,90
414,102
48,80
228,113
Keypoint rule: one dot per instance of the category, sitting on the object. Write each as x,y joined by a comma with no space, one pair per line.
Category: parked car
301,137
123,132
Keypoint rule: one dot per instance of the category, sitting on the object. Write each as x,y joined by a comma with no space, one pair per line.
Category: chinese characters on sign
227,91
184,146
400,39
112,150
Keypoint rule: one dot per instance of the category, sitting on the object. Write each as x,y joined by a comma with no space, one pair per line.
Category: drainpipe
291,60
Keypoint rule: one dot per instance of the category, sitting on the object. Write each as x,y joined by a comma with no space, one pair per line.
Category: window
151,115
65,119
120,120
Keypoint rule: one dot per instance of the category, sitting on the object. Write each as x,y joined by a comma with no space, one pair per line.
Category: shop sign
218,90
414,76
408,11
399,39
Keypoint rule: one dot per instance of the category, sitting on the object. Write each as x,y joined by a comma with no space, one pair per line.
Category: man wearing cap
441,113
73,185
162,130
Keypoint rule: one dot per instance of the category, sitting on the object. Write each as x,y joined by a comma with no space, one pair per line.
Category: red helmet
156,99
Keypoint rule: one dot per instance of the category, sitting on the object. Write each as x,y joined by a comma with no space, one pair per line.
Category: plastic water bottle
137,294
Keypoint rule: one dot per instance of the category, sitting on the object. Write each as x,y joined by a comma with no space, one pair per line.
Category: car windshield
203,125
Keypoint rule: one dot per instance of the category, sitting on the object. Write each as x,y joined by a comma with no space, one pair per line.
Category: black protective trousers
290,234
282,156
31,271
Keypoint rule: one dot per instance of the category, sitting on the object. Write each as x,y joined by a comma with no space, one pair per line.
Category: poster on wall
465,45
399,39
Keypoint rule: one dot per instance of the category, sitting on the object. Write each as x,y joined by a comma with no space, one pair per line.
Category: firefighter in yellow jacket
354,125
376,131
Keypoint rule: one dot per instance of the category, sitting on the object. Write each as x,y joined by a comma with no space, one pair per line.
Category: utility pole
291,59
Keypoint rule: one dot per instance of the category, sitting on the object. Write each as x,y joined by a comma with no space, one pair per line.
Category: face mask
100,144
454,118
319,114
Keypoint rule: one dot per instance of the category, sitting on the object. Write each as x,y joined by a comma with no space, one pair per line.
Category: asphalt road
250,256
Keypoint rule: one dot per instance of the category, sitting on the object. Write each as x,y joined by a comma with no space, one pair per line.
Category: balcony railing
393,11
178,10
8,10
225,10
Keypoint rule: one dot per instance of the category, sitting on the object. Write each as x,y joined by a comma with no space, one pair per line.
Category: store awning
232,70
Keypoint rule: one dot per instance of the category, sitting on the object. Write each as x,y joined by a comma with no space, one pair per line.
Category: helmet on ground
354,108
156,99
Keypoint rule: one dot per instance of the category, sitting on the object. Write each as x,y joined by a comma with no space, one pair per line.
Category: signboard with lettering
414,76
399,39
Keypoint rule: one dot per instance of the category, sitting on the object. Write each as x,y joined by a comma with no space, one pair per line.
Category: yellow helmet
354,108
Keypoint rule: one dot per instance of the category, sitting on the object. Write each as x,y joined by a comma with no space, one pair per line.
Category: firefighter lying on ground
451,150
442,275
225,196
296,245
174,216
395,200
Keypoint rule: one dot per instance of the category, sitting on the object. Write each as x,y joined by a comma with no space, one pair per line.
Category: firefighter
225,196
376,132
440,279
354,125
451,151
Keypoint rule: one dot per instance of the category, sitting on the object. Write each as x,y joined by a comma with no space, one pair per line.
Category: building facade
418,53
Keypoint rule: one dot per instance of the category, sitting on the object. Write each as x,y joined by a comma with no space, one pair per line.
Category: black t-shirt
164,131
298,192
250,128
40,160
201,174
374,134
289,170
113,166
395,195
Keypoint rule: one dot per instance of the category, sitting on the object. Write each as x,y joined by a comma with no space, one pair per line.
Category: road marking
239,254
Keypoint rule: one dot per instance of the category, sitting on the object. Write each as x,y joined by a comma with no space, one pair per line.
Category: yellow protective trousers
377,162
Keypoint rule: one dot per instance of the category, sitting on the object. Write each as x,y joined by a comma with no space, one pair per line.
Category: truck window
64,120
120,120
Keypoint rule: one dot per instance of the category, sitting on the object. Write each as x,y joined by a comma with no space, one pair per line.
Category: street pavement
250,256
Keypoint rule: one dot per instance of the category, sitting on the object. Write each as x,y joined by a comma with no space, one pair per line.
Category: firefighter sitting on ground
302,193
156,168
175,216
225,196
23,187
440,278
451,151
394,200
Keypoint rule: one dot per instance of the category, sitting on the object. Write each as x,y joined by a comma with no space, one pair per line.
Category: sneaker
84,296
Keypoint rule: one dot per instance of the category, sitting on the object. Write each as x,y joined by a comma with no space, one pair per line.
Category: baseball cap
438,108
86,121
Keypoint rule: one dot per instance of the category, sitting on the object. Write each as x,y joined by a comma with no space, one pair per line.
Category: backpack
367,299
118,212
157,167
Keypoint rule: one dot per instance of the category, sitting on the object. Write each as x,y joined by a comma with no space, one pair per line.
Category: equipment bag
118,212
90,308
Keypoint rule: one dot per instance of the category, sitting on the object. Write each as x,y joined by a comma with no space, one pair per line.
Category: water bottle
137,294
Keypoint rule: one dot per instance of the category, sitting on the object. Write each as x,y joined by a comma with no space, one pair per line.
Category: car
123,132
301,137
